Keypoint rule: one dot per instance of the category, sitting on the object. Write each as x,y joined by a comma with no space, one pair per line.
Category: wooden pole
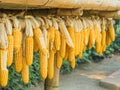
83,4
53,84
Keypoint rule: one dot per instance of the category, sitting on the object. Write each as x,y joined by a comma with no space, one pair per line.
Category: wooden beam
83,4
107,14
45,12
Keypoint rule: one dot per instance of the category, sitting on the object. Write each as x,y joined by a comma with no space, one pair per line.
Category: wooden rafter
106,5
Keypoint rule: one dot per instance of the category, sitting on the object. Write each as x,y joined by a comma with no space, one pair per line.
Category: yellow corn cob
66,53
66,56
98,43
1,51
71,54
17,35
10,50
111,31
91,39
72,63
65,32
57,41
43,63
3,68
96,31
29,50
38,38
51,65
59,60
63,46
108,39
36,48
51,32
103,32
4,77
100,52
18,60
80,55
25,71
80,47
85,36
104,48
103,41
71,51
77,43
88,33
84,47
83,41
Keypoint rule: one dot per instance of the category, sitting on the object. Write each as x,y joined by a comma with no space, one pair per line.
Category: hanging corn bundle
62,37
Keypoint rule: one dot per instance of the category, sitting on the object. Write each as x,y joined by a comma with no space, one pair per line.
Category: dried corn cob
51,64
91,39
64,31
43,63
103,32
38,35
71,50
108,39
10,50
111,30
25,71
57,41
80,55
98,43
18,60
3,68
76,43
29,43
39,38
36,48
29,50
77,36
66,53
59,60
10,41
17,35
63,46
72,63
51,32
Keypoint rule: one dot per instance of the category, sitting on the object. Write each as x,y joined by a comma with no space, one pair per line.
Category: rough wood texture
107,14
53,84
83,4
